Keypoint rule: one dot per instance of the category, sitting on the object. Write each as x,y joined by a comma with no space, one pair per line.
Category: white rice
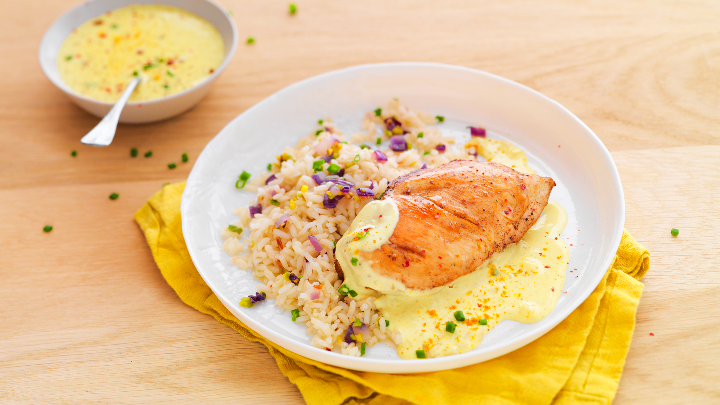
272,252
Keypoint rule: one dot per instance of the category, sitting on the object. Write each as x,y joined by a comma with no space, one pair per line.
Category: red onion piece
477,131
313,240
398,143
255,209
440,148
365,192
282,220
424,166
322,147
380,157
269,179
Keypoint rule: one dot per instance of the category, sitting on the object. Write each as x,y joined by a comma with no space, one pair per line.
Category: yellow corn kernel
292,205
329,194
397,130
304,189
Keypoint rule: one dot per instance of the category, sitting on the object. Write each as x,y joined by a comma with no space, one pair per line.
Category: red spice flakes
170,61
381,217
139,52
552,289
522,186
328,349
212,70
407,263
571,244
318,286
101,35
652,334
422,252
439,257
97,22
279,243
547,267
507,212
107,89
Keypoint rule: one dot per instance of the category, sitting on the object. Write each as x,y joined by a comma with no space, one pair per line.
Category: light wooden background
85,316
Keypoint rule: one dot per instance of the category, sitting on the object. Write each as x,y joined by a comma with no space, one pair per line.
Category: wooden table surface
85,316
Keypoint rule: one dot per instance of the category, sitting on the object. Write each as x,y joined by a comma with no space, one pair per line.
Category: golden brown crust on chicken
452,218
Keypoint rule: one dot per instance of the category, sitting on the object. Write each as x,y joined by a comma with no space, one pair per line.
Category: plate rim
401,365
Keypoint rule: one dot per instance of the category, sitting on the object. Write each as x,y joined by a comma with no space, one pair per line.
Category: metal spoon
104,132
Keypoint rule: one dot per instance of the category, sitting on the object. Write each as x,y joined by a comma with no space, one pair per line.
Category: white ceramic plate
557,143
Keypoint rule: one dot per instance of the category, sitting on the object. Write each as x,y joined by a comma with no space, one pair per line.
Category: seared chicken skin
452,218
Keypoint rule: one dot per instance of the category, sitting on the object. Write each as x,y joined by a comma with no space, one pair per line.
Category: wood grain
86,316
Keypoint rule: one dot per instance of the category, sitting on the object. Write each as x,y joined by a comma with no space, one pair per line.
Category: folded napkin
579,361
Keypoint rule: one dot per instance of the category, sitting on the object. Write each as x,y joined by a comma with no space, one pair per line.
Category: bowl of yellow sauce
177,48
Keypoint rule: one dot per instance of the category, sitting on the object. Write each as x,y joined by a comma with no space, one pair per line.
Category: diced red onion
440,148
365,192
348,335
424,166
320,178
294,279
282,220
362,330
372,185
477,131
398,143
380,157
327,158
332,202
341,172
313,240
269,179
391,123
257,297
322,147
315,295
255,209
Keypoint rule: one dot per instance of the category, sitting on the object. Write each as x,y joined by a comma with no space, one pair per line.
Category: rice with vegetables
307,200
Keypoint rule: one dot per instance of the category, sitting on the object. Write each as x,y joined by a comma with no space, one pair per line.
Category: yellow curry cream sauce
170,49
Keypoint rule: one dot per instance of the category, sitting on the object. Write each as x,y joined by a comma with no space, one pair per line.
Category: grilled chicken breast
452,218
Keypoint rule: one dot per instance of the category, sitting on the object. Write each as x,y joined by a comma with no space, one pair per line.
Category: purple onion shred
255,209
294,279
380,157
424,166
391,123
320,178
257,297
398,143
341,173
331,202
365,192
327,158
348,336
282,221
477,131
269,179
313,240
440,148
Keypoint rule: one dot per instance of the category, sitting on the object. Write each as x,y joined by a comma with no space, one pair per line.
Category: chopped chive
293,8
674,232
133,152
73,153
427,152
363,146
275,202
354,261
378,141
420,135
295,314
320,122
148,154
357,158
69,57
236,229
357,323
378,112
318,165
245,302
333,168
440,118
387,323
166,86
459,316
343,290
149,66
184,157
353,293
482,321
269,166
161,60
47,228
171,165
166,184
420,354
362,348
318,132
114,26
114,196
250,40
169,73
244,177
334,243
450,327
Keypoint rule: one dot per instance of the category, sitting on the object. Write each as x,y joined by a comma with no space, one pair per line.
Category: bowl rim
64,87
400,365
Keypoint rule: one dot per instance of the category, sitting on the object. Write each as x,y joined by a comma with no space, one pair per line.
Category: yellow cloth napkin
579,361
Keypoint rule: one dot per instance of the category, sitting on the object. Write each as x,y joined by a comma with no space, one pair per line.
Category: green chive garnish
459,316
295,314
148,154
171,165
378,111
251,40
420,354
269,166
363,146
244,177
166,86
378,141
184,157
333,168
73,153
318,132
343,290
169,73
357,158
318,165
114,196
275,202
320,122
149,66
114,26
420,135
135,73
293,8
353,293
482,321
236,229
47,228
354,261
245,302
69,57
387,323
362,348
674,232
168,183
133,152
450,327
427,152
440,118
357,323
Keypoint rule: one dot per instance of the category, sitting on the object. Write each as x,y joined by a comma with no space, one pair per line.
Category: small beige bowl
139,111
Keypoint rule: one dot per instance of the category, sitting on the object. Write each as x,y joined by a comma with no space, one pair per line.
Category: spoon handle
104,131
